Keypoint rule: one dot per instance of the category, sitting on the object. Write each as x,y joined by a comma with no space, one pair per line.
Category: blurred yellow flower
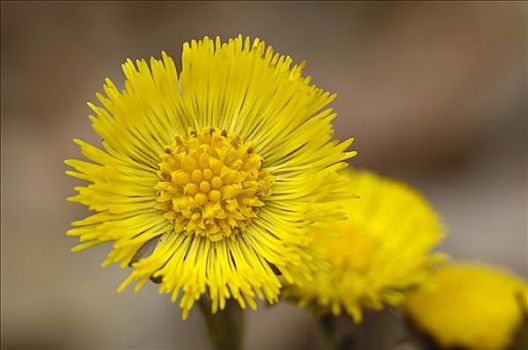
470,306
222,169
379,252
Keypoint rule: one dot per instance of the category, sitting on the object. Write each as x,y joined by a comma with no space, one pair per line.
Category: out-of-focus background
434,93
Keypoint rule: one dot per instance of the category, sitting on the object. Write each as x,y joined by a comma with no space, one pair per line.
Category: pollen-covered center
211,184
353,251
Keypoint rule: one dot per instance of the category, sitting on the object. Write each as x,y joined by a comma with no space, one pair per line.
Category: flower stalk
337,333
326,329
226,327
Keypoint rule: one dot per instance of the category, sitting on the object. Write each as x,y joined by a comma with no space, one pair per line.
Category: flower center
211,184
353,251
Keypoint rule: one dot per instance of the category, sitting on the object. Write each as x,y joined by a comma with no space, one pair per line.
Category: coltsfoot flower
470,306
222,169
379,252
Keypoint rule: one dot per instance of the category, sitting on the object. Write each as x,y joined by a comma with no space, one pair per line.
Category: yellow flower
380,251
221,168
470,306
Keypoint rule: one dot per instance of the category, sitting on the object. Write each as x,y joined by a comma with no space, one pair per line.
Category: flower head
470,306
380,251
221,169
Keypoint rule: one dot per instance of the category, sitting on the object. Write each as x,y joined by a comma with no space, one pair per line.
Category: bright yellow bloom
222,169
378,253
470,306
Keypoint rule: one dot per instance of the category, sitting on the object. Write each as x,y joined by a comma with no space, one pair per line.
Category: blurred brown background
435,94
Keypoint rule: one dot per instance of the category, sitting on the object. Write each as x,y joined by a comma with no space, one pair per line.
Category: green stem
327,331
226,327
337,333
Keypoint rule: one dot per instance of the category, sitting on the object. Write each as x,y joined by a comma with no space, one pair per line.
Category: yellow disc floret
211,184
470,306
353,251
